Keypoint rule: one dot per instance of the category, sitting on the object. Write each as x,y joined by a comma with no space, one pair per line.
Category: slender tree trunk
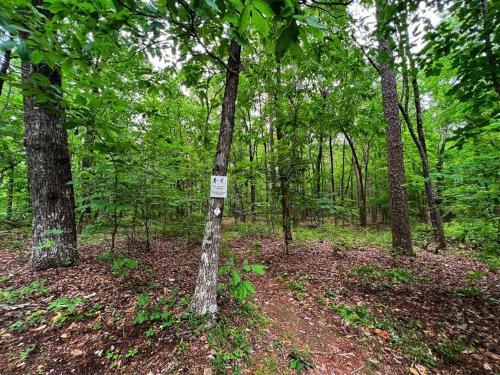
282,172
10,192
49,171
285,206
253,191
204,299
342,173
4,67
359,182
332,173
401,231
319,216
419,140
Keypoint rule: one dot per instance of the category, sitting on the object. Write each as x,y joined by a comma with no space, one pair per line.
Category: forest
249,187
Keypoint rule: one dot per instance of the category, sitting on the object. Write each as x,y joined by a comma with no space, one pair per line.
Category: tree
401,231
410,74
204,300
49,165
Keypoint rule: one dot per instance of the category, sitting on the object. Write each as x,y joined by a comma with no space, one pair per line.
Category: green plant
298,287
27,352
256,248
155,312
67,309
120,266
34,289
470,289
241,288
132,353
230,345
359,316
299,360
452,349
36,318
369,274
18,325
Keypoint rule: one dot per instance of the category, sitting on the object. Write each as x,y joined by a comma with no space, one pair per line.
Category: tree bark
332,169
401,231
4,67
10,193
204,299
359,182
319,216
283,176
419,140
49,171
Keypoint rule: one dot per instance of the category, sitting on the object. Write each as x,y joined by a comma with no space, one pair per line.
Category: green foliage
343,237
359,316
67,309
35,289
470,289
299,360
147,311
17,326
241,289
121,266
24,355
369,274
452,349
230,345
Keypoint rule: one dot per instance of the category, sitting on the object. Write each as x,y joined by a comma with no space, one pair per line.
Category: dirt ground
354,311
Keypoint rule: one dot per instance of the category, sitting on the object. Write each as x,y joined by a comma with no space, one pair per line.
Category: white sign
218,187
217,211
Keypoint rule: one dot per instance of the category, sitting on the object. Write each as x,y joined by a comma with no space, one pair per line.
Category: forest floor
339,303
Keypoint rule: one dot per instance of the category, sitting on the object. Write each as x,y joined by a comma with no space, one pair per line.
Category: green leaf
263,7
213,5
245,19
259,269
235,277
260,23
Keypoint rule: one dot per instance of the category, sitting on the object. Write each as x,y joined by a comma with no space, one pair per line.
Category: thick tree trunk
359,182
49,171
401,231
204,299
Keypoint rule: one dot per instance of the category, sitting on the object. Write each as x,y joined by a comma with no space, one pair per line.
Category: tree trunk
49,171
342,173
319,215
10,192
205,295
419,140
4,67
359,183
253,192
332,168
401,231
285,205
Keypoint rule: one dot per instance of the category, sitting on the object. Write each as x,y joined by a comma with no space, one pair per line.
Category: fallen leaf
76,352
382,333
